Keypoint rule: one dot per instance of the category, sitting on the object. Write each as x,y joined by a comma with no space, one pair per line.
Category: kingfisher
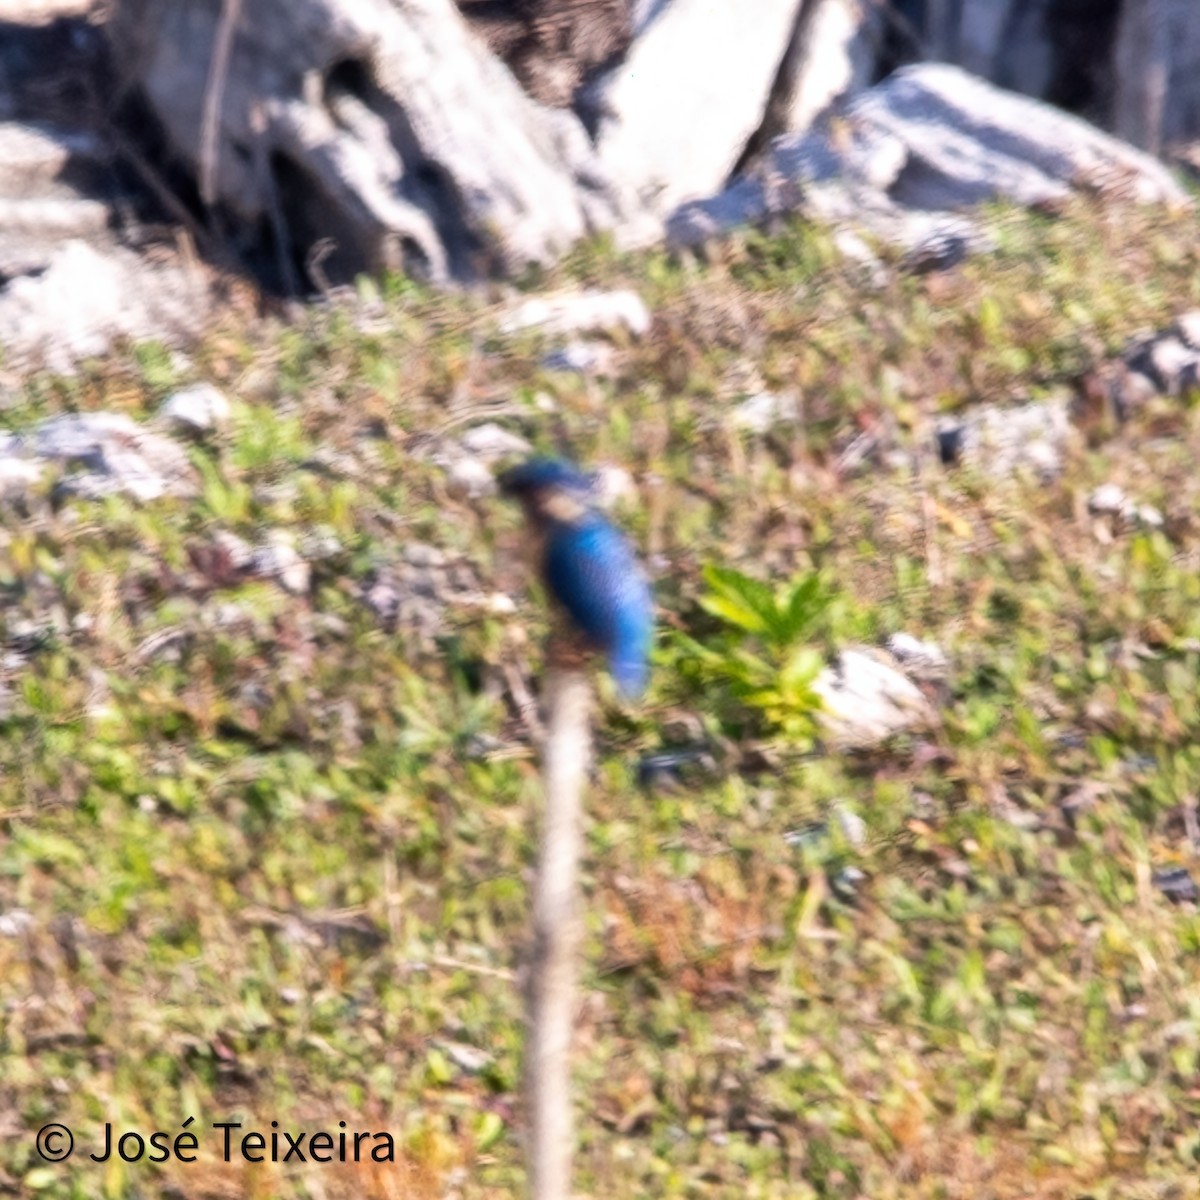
588,566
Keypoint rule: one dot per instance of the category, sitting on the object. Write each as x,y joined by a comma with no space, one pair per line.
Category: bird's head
549,489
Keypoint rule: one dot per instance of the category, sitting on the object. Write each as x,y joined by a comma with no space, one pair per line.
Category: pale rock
866,700
15,922
1188,327
84,299
1110,500
1172,365
200,408
761,413
921,660
1003,441
491,442
675,115
18,475
471,477
239,552
580,312
613,485
841,54
112,454
278,559
912,153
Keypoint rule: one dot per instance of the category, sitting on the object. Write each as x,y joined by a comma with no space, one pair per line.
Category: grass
263,855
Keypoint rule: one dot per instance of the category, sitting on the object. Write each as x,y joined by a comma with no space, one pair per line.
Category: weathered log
380,131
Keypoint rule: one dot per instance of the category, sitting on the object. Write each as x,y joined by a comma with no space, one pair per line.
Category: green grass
274,856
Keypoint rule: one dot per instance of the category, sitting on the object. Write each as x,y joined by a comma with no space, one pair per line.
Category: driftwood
381,128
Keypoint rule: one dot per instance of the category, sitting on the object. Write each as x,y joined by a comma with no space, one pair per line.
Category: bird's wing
593,574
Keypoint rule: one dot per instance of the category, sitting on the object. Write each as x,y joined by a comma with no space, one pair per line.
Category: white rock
319,543
760,414
114,453
920,659
19,474
853,826
470,476
1109,500
581,312
866,700
491,442
675,115
613,485
85,299
913,152
239,552
42,12
840,58
1188,327
423,148
1002,441
1171,361
15,922
200,408
277,558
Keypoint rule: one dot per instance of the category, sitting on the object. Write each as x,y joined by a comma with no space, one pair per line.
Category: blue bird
588,566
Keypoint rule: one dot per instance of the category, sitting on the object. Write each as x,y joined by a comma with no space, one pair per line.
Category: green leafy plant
763,658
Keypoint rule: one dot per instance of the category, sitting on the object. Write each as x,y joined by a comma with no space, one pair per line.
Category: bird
588,566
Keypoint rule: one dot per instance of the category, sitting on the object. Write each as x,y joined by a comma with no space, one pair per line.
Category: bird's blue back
593,574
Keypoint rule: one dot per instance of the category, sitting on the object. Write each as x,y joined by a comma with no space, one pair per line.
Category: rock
760,414
1188,328
1109,500
1177,884
580,312
923,661
612,485
1002,441
673,118
492,442
411,596
15,922
471,477
1172,365
237,551
320,544
834,49
18,475
840,61
361,121
866,700
277,558
83,299
103,454
200,408
913,152
38,211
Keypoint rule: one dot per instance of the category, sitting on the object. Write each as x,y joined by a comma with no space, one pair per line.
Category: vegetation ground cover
263,858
